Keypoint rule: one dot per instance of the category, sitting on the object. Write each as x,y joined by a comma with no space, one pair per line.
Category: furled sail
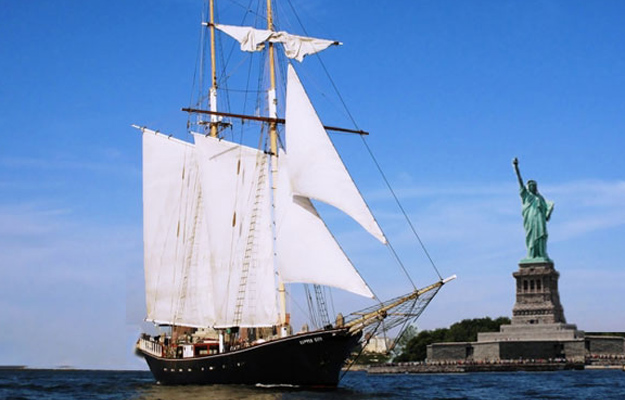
297,47
178,288
237,206
316,170
306,250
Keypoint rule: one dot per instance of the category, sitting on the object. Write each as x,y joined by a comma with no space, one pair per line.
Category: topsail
297,47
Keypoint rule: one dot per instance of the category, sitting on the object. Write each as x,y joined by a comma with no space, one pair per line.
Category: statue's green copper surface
536,212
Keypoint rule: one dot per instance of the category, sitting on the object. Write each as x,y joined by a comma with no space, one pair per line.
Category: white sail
178,289
297,47
237,206
316,169
306,250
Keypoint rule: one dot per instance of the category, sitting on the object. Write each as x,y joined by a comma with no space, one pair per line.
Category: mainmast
213,89
273,142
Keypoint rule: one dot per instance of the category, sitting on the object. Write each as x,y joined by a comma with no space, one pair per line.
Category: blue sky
451,91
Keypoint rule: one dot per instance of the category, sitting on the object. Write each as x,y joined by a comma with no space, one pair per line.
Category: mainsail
207,233
237,204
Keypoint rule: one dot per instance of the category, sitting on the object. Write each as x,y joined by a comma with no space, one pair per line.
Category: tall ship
231,229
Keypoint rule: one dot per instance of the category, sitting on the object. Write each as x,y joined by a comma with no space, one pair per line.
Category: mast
273,141
213,89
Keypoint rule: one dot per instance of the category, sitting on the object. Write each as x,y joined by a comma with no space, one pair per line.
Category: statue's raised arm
515,163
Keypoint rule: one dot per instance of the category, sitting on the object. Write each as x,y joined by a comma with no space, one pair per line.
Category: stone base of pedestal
546,332
537,295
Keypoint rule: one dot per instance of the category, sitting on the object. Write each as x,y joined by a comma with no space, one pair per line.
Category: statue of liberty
536,212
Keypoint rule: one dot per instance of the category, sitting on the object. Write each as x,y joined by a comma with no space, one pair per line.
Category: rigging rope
390,188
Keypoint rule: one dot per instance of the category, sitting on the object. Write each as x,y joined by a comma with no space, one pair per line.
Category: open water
139,385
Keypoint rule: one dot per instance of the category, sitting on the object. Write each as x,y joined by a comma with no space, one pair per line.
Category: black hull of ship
312,359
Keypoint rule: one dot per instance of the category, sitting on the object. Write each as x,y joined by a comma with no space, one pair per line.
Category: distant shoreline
455,368
616,362
63,368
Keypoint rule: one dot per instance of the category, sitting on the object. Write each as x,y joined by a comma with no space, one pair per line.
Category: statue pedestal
539,329
537,313
537,295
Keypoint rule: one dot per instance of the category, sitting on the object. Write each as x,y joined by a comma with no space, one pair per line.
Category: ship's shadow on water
235,392
240,392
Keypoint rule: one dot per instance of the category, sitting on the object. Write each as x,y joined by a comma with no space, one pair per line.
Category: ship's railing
150,347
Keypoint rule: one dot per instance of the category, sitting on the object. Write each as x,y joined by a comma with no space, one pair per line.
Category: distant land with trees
413,345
